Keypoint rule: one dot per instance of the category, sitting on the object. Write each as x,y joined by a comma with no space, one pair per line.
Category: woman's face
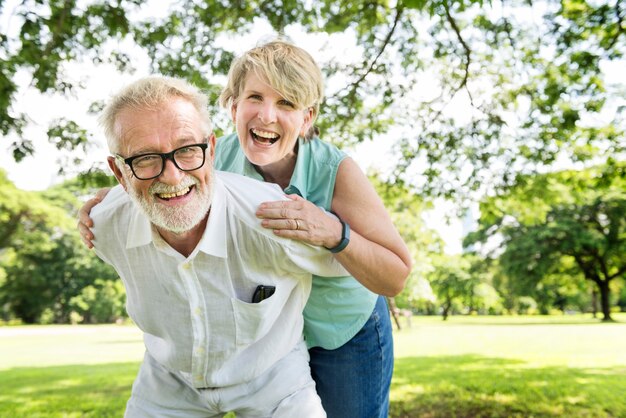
268,125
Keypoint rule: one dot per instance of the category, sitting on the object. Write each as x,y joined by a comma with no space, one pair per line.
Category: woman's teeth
264,136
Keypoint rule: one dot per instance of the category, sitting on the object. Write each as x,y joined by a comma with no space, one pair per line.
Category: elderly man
218,297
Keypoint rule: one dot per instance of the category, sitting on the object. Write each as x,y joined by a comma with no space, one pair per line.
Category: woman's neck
279,172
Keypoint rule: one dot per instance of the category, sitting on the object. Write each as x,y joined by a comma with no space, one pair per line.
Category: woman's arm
376,255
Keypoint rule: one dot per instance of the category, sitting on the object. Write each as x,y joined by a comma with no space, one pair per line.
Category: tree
577,223
43,262
530,86
452,283
104,301
593,235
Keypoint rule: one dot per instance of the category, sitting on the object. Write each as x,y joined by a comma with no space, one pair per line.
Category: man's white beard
179,218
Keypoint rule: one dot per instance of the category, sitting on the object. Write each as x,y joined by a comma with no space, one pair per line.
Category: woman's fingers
282,209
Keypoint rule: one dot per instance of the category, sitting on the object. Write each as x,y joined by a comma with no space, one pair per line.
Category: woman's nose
267,113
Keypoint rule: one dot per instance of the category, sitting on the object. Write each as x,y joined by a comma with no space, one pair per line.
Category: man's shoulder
242,197
111,220
246,188
116,205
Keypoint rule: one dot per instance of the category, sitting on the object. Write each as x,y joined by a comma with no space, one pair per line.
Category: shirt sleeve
314,259
107,218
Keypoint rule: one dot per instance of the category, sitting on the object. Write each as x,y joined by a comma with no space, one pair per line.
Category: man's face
176,201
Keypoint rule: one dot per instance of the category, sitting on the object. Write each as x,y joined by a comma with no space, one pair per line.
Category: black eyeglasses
151,165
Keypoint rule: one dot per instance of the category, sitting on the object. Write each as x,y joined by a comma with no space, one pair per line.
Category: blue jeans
353,380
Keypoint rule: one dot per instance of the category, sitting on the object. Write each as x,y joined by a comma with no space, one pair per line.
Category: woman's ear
233,112
309,116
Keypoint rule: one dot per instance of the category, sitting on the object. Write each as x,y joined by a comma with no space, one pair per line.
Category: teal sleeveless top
338,307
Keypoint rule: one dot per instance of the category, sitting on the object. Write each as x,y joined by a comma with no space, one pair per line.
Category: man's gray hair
149,93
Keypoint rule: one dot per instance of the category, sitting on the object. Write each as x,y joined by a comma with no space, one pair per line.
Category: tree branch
468,59
57,33
620,20
468,51
619,272
354,85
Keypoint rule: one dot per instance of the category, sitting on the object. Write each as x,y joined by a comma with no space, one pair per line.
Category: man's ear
211,143
116,171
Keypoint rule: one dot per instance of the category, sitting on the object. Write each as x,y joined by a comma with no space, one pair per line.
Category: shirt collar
213,241
139,229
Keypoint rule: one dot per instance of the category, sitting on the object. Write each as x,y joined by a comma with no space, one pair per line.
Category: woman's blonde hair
150,93
288,69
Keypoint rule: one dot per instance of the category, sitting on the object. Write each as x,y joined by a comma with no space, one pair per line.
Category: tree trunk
605,300
445,310
594,303
391,303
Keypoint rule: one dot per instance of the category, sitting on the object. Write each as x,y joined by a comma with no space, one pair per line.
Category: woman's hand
300,219
84,221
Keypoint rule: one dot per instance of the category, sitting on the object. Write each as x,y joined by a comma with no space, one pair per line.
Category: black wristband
345,237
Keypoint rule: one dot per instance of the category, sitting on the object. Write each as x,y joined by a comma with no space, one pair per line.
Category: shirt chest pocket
255,320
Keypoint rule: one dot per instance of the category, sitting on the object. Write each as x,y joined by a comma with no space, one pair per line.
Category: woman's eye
286,103
255,97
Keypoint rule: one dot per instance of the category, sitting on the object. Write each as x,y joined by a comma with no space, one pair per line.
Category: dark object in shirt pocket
262,292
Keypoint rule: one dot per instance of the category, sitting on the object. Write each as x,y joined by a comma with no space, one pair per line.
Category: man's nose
171,174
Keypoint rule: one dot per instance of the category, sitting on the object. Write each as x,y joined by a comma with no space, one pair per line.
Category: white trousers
286,390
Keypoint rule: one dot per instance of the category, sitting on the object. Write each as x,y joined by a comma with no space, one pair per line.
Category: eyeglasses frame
164,157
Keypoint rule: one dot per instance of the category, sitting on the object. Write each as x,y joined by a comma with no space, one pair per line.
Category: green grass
559,366
67,371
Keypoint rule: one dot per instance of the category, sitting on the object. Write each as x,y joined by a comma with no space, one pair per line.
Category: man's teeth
174,194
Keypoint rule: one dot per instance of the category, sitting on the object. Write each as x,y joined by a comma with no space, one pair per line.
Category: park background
505,117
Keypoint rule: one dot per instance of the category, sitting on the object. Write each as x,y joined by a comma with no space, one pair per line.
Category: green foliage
51,34
101,303
532,84
557,229
46,272
24,212
406,209
452,283
43,261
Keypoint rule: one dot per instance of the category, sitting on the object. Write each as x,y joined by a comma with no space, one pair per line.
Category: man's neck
184,242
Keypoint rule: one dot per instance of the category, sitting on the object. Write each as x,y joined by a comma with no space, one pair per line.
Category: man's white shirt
196,312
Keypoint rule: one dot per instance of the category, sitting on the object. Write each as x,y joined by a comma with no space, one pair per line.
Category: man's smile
172,195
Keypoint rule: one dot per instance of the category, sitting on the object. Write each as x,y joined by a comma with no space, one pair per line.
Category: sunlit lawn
560,366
